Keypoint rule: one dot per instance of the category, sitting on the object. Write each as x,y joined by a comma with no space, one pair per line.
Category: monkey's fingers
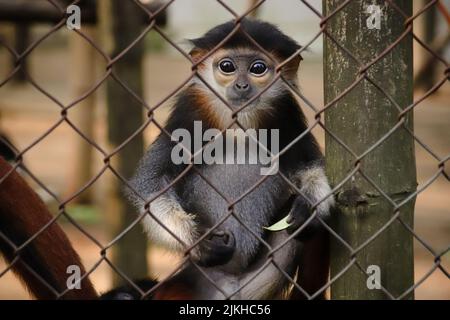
298,216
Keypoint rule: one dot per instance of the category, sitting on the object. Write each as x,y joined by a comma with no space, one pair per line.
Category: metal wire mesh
20,58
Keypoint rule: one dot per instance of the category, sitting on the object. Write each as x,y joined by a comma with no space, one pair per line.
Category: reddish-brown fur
173,290
22,215
206,111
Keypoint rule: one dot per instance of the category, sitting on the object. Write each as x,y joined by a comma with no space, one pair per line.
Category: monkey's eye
227,66
258,68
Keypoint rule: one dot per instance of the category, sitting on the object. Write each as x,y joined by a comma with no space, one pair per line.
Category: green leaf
280,225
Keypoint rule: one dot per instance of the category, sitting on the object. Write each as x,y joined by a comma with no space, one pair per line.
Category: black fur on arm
303,164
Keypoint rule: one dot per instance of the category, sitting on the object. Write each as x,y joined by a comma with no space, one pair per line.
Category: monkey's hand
216,249
298,215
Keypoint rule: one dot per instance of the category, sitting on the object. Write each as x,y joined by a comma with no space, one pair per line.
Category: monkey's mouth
237,103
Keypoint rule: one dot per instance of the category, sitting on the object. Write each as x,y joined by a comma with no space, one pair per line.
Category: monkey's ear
195,52
291,67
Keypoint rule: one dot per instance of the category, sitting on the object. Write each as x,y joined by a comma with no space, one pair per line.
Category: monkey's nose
242,86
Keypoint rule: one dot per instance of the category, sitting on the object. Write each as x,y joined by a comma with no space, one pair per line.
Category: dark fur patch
265,34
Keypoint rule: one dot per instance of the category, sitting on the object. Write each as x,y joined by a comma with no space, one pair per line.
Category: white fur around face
314,185
172,216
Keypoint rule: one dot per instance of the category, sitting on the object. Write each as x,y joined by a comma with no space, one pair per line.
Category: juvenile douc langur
231,253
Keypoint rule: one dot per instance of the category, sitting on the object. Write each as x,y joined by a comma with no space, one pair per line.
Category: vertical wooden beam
360,120
125,116
82,71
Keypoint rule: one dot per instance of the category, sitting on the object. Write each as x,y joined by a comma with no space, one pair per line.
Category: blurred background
64,66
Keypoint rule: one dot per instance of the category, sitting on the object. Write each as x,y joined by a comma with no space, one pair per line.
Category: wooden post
125,116
361,119
82,66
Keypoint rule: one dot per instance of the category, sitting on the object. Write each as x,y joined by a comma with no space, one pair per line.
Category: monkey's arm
155,173
313,259
314,187
42,263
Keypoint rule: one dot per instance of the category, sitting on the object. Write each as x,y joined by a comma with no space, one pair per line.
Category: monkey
230,253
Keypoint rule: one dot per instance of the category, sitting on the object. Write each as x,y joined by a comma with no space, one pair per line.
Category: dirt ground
25,114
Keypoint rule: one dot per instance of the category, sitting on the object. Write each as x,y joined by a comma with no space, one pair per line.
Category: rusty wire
318,122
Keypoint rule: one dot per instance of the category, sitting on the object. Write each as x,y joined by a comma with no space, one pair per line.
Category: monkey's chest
240,198
253,197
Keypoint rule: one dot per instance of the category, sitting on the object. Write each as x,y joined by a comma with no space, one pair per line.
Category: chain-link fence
349,254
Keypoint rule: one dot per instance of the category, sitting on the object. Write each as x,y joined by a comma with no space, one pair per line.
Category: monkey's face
241,75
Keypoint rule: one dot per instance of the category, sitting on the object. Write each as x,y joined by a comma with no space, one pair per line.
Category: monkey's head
239,70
